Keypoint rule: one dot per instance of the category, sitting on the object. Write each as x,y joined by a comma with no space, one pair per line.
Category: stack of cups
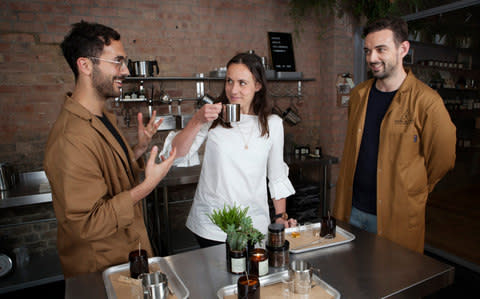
277,246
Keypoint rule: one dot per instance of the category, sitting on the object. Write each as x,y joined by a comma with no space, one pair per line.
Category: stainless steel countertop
32,188
368,267
40,270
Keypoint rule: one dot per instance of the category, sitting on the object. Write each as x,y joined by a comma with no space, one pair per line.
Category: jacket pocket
403,147
416,208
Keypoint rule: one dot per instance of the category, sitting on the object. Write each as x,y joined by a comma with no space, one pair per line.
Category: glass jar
278,256
276,235
258,262
238,261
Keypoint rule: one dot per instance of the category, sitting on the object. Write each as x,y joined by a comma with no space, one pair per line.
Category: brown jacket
98,225
416,149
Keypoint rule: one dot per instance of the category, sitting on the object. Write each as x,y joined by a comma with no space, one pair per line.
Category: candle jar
276,235
238,261
258,262
248,287
278,256
138,262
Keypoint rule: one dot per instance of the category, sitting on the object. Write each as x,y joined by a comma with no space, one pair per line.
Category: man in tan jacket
400,143
93,173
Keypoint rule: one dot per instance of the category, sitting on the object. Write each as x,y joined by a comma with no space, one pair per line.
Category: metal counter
32,188
368,267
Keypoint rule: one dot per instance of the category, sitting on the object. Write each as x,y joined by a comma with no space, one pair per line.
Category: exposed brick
185,37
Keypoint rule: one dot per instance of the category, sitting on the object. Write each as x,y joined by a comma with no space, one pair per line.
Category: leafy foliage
360,9
237,225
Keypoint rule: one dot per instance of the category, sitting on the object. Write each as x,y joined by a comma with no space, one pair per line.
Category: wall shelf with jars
151,91
455,74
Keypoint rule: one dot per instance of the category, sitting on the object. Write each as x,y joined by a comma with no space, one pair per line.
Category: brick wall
185,37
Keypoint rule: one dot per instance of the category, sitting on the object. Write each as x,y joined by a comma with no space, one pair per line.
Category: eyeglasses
121,62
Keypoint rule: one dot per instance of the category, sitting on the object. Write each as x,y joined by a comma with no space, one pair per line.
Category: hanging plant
362,10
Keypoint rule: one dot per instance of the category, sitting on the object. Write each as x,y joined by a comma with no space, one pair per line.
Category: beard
104,84
386,71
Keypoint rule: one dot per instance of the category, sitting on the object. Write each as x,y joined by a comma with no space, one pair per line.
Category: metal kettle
7,176
143,68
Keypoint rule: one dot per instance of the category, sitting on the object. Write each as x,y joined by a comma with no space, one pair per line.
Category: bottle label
238,265
263,267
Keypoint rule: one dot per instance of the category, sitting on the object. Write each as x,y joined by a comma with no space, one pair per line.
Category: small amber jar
276,235
278,256
238,261
258,262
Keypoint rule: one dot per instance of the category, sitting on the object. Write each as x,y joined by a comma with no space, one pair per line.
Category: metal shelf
205,79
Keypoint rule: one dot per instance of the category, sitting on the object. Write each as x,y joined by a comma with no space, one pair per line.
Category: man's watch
281,215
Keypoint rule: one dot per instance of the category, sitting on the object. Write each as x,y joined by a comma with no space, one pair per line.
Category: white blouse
233,175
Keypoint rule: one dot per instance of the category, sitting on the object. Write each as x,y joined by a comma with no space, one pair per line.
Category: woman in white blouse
239,157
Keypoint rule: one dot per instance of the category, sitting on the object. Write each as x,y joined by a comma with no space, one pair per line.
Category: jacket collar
77,109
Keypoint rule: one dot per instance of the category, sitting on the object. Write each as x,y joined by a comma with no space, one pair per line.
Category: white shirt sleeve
191,158
277,170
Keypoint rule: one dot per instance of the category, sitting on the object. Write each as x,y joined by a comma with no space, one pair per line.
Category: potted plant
241,235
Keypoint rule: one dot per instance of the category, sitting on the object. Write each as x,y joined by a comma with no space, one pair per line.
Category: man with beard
93,173
400,143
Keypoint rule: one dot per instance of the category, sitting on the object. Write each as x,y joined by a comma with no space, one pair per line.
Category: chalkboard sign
281,50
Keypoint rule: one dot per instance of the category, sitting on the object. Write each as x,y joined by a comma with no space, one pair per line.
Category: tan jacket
416,149
98,225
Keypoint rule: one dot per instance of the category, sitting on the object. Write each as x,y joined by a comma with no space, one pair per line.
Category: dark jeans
206,242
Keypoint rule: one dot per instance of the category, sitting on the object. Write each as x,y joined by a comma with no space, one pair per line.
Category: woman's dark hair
398,26
261,107
86,40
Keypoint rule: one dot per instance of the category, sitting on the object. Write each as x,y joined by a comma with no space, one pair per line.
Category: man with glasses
93,172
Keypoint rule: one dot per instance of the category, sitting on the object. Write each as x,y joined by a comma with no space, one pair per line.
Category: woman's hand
287,223
208,112
145,133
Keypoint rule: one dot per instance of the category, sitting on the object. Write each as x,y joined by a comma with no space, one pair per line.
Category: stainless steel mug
231,113
301,273
140,68
155,285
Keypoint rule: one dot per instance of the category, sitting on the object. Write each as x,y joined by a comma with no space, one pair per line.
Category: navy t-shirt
119,139
365,180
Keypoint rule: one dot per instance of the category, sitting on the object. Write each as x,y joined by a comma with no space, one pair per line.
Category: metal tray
347,235
275,278
174,281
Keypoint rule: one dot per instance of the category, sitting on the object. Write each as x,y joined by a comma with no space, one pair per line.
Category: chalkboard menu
281,50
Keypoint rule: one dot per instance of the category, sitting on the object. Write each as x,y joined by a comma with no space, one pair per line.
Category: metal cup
155,285
301,273
141,68
231,113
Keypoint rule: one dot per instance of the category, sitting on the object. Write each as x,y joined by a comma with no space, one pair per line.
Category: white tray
174,281
275,278
348,238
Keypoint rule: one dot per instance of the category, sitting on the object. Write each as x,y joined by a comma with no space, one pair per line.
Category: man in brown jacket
93,173
400,143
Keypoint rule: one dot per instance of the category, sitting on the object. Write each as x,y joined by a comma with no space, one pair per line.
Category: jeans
363,220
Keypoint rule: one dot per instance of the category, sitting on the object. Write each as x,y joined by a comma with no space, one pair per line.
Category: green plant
231,215
237,240
237,225
362,10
